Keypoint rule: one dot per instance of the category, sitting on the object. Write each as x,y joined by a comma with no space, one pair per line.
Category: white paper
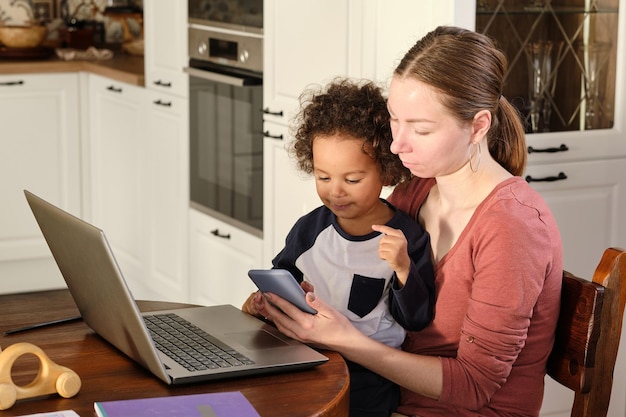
63,413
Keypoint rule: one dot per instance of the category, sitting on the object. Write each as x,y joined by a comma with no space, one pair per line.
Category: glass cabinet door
562,59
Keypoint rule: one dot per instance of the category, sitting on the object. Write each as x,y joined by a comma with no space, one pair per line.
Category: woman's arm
332,330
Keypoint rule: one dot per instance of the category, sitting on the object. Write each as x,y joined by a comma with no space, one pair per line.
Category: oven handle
220,78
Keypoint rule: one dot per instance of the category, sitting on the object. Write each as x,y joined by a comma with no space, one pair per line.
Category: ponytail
511,152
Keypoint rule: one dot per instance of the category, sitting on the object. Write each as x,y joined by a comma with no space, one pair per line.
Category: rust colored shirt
498,293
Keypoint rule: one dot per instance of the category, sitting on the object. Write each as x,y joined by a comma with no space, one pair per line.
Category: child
343,138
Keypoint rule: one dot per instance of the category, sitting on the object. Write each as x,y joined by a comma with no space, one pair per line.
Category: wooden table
107,374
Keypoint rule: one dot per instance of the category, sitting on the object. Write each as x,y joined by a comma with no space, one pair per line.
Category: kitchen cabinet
589,203
297,53
166,191
138,170
220,257
313,41
289,193
166,136
309,43
40,151
563,59
165,55
303,43
116,160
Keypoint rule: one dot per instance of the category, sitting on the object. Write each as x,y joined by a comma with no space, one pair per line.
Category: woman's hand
256,303
328,328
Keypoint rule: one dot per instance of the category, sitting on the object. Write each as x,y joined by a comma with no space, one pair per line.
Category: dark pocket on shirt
365,294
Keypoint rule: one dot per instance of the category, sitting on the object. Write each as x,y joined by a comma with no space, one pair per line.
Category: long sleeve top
498,295
348,273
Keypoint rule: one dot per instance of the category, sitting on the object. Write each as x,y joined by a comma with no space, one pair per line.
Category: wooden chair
590,322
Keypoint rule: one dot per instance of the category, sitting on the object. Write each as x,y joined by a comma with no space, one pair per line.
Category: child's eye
349,181
322,178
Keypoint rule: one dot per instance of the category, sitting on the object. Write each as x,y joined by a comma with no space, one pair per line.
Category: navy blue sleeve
413,305
301,238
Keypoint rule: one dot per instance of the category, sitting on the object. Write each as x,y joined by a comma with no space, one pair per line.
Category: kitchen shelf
562,59
530,10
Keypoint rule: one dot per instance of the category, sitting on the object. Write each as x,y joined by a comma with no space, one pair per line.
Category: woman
495,245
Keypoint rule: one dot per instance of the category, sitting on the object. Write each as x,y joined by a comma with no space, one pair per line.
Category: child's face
347,180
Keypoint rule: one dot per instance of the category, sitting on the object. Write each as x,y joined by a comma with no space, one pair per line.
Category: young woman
495,243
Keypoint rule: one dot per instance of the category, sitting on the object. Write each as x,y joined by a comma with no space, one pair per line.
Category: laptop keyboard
189,345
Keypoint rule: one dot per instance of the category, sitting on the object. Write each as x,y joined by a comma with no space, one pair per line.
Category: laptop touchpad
256,339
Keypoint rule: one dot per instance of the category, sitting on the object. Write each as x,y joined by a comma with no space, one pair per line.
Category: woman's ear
481,124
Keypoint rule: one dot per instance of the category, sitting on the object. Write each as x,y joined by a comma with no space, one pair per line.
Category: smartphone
283,284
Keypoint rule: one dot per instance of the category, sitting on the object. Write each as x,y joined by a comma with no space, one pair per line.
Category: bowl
13,36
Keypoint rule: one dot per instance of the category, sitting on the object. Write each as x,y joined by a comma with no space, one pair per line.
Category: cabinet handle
267,134
272,113
114,89
561,148
12,83
559,177
217,233
163,83
159,102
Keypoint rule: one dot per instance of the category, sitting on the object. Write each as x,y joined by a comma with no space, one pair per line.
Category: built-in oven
225,103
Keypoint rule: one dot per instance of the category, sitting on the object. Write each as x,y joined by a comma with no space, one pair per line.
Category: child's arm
412,294
393,248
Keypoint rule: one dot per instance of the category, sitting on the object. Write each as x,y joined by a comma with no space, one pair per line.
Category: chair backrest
590,321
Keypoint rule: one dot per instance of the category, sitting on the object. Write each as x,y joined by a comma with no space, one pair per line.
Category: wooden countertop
122,67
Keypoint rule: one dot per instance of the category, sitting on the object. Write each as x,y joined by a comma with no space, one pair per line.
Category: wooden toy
52,378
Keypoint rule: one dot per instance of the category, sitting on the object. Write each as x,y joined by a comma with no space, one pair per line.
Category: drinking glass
594,57
541,81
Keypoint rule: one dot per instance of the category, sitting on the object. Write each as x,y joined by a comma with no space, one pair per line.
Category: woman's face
426,137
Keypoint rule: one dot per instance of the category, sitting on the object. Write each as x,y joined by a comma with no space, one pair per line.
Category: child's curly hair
348,107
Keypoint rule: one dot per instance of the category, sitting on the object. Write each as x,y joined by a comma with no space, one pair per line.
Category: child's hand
250,305
393,248
307,286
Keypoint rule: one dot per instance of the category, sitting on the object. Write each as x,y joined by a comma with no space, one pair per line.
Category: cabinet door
589,208
40,151
289,193
117,153
165,55
389,32
220,258
166,191
304,42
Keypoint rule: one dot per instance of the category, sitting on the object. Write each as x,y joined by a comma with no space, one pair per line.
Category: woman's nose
399,144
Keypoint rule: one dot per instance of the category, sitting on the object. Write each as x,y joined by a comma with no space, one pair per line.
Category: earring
475,153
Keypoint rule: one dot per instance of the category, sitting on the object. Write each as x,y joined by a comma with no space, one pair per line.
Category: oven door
240,15
226,147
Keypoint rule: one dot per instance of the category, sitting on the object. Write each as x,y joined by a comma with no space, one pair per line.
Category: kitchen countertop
122,67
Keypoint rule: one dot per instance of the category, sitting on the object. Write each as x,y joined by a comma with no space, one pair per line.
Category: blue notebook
219,404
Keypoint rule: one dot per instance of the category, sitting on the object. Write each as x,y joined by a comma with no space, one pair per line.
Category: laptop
244,344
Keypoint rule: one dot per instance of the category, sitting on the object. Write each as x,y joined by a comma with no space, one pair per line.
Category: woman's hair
468,70
352,108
